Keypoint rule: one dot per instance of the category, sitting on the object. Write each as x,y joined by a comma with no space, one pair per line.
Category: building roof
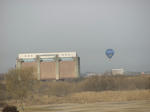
47,55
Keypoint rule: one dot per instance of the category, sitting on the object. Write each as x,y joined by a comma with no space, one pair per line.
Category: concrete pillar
38,68
18,66
77,66
18,63
57,67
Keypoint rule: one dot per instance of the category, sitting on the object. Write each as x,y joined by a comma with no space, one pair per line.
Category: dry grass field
92,97
92,94
126,106
106,101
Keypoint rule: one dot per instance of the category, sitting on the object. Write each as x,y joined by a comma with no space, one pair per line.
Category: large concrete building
59,65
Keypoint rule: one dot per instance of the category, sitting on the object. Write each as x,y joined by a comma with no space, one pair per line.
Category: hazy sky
86,26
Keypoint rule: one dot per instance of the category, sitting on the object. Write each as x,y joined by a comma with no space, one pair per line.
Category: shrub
10,109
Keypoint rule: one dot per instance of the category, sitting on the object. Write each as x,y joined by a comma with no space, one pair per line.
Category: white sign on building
47,55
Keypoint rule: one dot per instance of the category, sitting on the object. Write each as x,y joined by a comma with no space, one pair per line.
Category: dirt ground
128,106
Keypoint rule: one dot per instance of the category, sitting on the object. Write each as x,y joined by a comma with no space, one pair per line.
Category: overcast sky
86,26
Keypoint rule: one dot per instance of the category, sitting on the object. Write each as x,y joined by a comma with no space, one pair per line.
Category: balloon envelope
109,53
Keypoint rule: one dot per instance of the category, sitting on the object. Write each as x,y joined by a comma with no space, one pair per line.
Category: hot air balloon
109,53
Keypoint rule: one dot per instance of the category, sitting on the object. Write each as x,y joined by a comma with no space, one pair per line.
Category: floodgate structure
57,66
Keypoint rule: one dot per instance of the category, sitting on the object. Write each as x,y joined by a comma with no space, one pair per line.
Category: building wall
48,70
29,64
67,69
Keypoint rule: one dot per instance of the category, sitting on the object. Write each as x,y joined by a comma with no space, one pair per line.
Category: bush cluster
10,109
21,82
94,83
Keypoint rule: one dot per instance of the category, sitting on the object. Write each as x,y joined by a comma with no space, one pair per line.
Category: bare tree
19,83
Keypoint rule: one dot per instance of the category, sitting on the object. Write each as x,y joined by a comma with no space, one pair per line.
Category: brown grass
127,106
105,96
91,97
89,90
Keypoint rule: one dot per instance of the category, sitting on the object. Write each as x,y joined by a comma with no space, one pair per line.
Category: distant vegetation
94,83
20,84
